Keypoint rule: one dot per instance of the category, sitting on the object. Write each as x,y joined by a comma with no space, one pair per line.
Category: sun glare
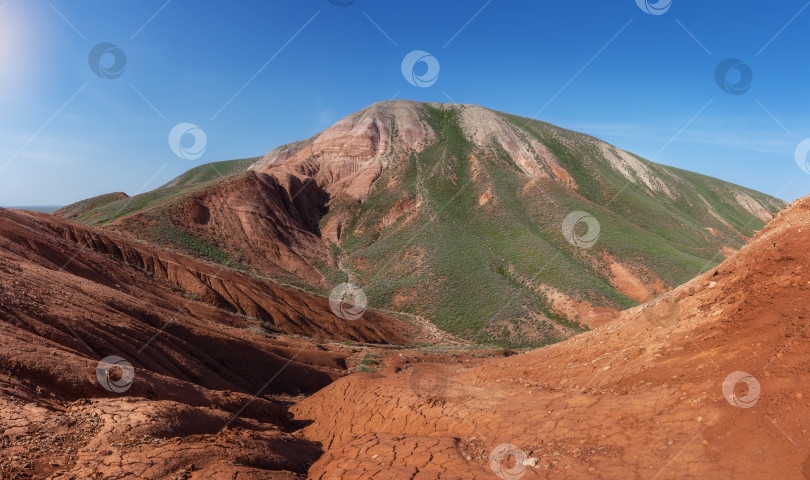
14,45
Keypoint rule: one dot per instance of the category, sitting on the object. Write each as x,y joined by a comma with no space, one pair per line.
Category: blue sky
256,74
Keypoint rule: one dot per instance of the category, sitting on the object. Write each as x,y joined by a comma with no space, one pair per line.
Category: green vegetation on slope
191,181
455,254
168,234
213,171
82,207
476,270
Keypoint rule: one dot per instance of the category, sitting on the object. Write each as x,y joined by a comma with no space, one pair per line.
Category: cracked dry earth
639,398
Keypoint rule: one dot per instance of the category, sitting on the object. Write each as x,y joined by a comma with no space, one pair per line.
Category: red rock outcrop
350,155
268,222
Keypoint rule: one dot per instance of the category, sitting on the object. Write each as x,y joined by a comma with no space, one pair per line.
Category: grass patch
168,234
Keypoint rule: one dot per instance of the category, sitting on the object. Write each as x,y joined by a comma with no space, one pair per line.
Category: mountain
491,226
708,383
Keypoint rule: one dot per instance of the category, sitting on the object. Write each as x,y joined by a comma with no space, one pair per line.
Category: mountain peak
446,211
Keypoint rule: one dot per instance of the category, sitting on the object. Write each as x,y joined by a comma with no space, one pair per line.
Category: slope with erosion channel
454,213
214,362
709,382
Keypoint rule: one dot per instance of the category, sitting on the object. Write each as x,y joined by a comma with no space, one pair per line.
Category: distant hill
36,208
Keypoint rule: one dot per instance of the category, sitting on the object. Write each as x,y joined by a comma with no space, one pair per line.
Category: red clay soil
267,222
639,398
210,387
284,308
